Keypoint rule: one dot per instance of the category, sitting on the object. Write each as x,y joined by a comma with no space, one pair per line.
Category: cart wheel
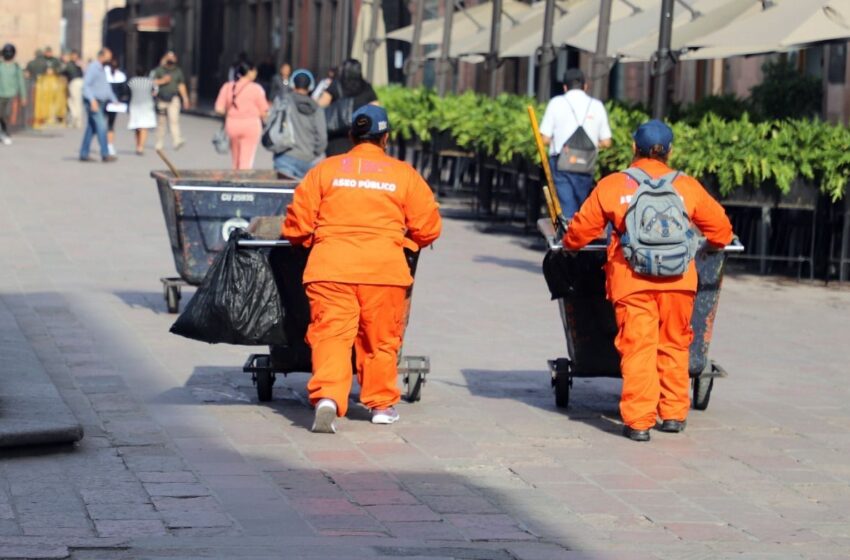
563,383
172,298
702,392
265,380
414,381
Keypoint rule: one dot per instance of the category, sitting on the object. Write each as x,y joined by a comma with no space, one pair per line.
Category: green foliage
728,107
730,152
785,93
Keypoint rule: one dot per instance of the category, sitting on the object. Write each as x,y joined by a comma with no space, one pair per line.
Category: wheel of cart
201,208
578,284
171,292
288,268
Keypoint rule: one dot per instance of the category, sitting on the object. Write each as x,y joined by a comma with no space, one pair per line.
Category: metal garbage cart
590,326
202,207
287,263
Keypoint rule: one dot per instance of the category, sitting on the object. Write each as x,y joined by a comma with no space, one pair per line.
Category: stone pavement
180,461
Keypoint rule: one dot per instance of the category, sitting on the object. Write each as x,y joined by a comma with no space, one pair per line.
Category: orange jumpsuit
359,211
653,314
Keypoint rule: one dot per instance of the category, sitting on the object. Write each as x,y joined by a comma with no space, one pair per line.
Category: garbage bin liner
238,301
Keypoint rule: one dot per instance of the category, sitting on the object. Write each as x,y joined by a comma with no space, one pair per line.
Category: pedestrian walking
358,212
171,84
651,276
309,131
142,107
281,81
74,75
12,86
343,97
118,81
244,106
36,67
575,126
96,94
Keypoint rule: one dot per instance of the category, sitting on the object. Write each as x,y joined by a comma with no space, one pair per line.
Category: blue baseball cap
653,133
369,121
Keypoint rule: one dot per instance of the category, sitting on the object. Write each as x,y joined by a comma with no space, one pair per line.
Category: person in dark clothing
350,83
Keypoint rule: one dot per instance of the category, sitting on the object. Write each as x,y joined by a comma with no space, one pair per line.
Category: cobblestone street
179,460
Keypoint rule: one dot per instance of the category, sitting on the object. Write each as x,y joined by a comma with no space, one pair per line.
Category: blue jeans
95,125
573,188
294,167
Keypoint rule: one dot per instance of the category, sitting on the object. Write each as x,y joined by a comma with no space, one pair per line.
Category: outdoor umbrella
513,19
636,36
781,25
576,17
358,46
711,15
465,23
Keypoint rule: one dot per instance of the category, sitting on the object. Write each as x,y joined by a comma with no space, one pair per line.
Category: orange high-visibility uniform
653,314
359,211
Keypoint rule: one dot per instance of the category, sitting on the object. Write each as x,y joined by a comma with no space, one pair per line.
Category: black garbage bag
238,301
574,276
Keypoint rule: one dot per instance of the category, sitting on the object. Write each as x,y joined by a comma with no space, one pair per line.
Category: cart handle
263,243
205,188
597,246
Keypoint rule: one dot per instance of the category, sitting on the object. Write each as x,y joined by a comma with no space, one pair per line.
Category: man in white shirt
564,114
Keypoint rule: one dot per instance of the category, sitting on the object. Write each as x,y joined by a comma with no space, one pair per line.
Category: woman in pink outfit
244,105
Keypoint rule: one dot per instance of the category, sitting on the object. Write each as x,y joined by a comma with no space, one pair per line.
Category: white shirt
559,121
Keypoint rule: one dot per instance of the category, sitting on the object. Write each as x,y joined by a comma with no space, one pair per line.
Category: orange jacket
358,211
609,201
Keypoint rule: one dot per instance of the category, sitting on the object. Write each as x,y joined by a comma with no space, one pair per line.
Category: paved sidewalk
180,461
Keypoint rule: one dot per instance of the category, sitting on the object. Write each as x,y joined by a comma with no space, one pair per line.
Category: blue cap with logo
653,133
369,121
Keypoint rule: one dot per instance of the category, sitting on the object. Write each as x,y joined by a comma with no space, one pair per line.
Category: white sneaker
324,421
111,149
6,140
385,415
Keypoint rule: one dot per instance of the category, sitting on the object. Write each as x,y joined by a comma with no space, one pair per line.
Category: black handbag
338,116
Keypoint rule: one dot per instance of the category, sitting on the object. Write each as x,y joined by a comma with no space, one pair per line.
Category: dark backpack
659,239
578,155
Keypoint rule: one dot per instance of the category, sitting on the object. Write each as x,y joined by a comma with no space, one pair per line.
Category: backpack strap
640,176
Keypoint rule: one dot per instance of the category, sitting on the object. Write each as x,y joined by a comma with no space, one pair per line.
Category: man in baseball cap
359,211
653,311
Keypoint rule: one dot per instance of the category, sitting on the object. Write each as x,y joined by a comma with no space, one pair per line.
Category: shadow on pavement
593,401
153,301
519,264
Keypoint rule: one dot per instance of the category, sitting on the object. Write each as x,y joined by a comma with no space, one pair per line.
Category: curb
32,412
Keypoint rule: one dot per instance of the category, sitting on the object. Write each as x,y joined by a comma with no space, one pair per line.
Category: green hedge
732,153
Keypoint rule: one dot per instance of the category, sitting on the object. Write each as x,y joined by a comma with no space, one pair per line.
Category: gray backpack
278,132
579,152
659,239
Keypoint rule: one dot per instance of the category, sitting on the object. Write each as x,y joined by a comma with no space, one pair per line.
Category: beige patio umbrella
574,19
640,28
361,35
513,18
465,23
781,25
711,16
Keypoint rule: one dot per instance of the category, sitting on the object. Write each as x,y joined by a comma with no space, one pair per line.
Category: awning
153,24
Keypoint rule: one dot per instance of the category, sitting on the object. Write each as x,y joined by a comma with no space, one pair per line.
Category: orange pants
368,318
244,138
653,340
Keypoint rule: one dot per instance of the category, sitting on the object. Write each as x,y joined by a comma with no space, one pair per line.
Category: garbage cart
578,283
288,264
202,207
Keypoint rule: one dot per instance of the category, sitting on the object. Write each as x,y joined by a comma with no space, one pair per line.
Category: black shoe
109,159
673,426
636,435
